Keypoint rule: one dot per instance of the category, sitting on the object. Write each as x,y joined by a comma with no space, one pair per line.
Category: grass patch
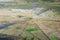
17,27
53,38
30,18
3,36
32,29
56,9
7,28
19,16
44,2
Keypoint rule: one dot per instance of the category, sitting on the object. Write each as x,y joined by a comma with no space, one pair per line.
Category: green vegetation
43,3
3,36
7,28
32,29
32,1
56,9
53,38
19,16
17,27
55,6
29,18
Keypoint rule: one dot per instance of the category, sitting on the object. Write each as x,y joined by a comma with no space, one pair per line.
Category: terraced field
27,29
30,22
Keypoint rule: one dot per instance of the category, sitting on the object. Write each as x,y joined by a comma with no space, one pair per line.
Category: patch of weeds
56,9
3,36
53,38
17,27
57,14
32,29
7,28
43,2
29,18
19,16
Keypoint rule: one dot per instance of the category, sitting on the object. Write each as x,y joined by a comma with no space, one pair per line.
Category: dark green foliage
3,36
19,16
32,38
30,18
25,38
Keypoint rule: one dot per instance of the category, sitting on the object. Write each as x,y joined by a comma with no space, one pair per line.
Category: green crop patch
32,29
53,38
7,28
3,36
17,27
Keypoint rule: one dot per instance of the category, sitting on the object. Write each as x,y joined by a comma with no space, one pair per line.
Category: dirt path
50,32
